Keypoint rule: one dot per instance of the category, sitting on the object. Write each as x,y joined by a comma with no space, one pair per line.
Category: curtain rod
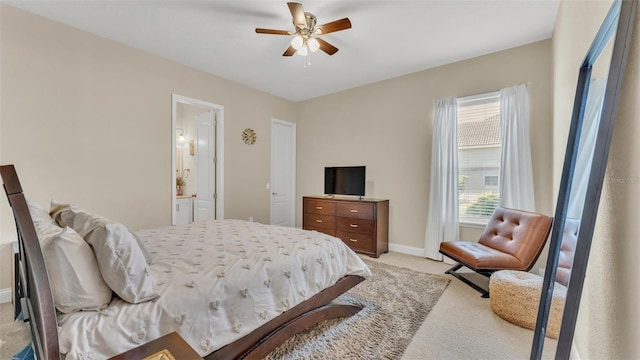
488,93
482,95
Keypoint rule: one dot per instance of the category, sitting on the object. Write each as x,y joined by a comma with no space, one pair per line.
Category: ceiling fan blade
326,47
334,26
290,51
299,20
272,31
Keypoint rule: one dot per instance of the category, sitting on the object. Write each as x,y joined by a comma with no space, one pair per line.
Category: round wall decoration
249,136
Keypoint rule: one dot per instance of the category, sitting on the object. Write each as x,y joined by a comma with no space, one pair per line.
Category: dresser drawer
322,230
314,206
361,226
319,221
357,241
359,211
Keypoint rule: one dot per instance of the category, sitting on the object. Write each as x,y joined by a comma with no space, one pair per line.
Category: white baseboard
409,250
5,295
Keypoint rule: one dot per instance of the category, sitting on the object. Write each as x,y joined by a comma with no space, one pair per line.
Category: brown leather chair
512,240
567,250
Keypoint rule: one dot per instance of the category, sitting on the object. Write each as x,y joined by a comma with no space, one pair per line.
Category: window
491,181
478,156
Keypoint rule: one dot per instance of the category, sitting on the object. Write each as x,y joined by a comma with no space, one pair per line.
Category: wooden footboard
267,337
39,309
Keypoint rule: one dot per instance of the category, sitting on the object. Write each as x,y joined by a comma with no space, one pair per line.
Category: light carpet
14,335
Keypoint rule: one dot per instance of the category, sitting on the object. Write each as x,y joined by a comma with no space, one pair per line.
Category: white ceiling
388,38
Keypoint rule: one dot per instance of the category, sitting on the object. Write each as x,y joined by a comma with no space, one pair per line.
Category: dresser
361,224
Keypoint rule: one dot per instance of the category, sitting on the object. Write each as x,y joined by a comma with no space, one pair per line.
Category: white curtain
442,220
516,174
586,147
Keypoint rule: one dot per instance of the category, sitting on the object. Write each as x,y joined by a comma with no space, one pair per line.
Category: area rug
396,302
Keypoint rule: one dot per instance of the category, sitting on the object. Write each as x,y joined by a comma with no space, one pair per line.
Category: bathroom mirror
594,111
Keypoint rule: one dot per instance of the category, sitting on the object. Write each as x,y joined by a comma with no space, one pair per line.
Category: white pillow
120,259
66,213
76,282
122,263
42,222
44,229
39,214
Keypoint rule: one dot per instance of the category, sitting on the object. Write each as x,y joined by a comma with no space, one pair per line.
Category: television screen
344,180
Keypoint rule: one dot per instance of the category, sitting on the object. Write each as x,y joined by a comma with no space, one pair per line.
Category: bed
230,288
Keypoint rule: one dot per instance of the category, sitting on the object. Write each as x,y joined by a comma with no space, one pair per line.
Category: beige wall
387,127
87,120
609,319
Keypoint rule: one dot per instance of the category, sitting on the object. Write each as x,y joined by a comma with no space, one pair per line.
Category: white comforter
218,281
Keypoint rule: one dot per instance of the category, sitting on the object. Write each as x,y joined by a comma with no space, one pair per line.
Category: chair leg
452,271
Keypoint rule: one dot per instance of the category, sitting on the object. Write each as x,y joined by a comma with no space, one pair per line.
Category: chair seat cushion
478,256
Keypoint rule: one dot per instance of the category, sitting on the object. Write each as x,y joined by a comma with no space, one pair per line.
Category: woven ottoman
515,297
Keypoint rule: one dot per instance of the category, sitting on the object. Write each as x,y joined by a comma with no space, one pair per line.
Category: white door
283,172
205,152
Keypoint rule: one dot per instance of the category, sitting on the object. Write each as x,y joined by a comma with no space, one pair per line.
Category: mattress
217,281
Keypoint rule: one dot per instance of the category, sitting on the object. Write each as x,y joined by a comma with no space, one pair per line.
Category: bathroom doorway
197,160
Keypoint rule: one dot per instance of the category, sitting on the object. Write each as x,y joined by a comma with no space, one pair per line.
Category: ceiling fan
305,29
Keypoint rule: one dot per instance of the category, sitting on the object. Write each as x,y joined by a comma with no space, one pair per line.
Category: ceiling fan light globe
313,45
302,51
297,42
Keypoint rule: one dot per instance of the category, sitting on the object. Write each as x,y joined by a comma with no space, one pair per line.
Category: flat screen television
344,180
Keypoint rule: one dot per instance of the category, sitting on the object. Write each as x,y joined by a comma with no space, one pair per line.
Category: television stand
362,224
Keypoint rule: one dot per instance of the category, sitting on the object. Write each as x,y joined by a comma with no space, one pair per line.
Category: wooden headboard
37,302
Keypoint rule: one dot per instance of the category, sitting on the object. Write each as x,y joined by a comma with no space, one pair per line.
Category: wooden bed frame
38,307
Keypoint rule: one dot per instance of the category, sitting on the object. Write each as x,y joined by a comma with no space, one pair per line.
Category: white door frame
219,109
292,190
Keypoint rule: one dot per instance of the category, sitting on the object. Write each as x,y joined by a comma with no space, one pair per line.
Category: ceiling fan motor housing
306,31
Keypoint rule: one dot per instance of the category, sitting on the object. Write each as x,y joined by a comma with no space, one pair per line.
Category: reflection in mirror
581,183
587,142
567,251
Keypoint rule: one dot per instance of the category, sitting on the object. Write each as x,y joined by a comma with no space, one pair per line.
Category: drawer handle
353,240
318,221
354,211
319,207
353,225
